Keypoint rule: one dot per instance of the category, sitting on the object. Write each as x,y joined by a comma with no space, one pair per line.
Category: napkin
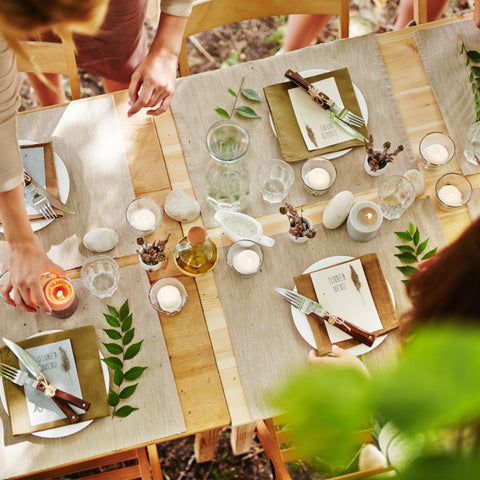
49,178
87,360
381,297
289,135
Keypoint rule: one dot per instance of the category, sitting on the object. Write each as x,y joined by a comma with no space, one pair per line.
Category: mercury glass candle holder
318,175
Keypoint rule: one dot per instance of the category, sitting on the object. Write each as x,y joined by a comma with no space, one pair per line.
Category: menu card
343,291
314,122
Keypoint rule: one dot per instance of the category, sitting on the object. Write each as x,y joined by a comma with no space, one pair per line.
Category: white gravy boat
238,226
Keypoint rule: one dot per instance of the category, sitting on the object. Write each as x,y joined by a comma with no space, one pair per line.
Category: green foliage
474,76
414,253
244,111
122,351
432,394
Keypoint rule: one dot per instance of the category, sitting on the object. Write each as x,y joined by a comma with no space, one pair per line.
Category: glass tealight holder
143,215
452,191
436,149
245,257
168,296
318,175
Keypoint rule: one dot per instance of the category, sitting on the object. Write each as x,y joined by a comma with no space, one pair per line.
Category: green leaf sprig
413,253
243,111
474,77
122,350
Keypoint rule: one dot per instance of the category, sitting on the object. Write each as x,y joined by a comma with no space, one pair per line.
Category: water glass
452,191
275,178
143,215
472,144
395,195
101,275
227,140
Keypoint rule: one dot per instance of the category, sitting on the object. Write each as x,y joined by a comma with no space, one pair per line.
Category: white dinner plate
65,430
362,103
63,181
301,321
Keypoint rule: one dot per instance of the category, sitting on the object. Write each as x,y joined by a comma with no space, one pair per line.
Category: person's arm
153,82
476,13
338,358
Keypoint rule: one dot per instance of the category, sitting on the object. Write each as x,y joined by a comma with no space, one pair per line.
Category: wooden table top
420,114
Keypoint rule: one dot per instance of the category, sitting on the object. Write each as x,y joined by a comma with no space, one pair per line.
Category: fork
307,306
38,200
21,378
325,101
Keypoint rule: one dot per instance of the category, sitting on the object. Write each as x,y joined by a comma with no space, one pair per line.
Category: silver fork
38,201
307,306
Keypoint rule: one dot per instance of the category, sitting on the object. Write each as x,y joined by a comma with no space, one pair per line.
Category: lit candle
436,154
61,297
364,221
169,298
143,219
367,216
450,195
246,262
317,178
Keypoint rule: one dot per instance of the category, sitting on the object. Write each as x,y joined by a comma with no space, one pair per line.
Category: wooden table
190,351
420,114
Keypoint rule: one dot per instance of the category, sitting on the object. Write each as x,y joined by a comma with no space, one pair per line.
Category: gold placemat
87,360
439,48
380,294
197,96
286,125
267,345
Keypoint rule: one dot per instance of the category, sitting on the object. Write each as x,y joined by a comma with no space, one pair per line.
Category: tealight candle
317,178
61,297
169,298
436,154
450,195
364,221
246,262
143,219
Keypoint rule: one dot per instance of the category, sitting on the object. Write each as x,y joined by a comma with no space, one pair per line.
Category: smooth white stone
100,239
337,210
416,177
181,207
371,457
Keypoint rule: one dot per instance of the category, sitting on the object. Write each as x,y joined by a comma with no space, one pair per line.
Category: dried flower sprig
153,253
378,159
298,225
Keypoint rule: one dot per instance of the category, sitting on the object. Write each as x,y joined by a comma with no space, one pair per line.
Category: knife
54,201
308,306
36,370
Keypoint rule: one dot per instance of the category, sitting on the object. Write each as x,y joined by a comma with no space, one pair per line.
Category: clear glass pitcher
227,179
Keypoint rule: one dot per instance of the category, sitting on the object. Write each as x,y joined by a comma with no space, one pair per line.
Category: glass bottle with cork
195,254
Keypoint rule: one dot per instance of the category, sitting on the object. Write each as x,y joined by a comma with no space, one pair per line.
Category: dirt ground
226,46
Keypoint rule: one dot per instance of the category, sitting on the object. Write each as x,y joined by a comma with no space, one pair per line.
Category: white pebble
337,210
416,177
181,207
100,239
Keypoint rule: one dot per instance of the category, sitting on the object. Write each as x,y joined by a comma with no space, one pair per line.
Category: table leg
242,438
205,445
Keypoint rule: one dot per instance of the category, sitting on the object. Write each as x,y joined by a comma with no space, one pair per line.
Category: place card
343,291
314,122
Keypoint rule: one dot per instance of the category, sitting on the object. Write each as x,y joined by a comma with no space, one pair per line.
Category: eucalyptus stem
236,97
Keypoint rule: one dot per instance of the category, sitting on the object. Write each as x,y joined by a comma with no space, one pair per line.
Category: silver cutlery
37,200
307,306
324,100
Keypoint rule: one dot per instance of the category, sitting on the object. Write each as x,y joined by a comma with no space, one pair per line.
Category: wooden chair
420,11
51,57
277,446
141,463
208,14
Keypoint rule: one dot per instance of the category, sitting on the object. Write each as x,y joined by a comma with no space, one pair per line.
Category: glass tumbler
395,195
101,275
275,178
472,144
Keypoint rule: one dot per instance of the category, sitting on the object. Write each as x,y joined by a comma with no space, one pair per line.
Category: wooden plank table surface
420,114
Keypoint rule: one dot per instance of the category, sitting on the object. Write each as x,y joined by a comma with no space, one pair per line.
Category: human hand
339,358
27,261
153,84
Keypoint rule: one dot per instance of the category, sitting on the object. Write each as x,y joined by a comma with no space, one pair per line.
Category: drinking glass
143,215
275,178
472,144
101,275
395,194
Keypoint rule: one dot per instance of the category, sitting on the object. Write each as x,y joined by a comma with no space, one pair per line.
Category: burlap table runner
197,96
160,413
380,294
87,138
473,205
439,48
267,346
